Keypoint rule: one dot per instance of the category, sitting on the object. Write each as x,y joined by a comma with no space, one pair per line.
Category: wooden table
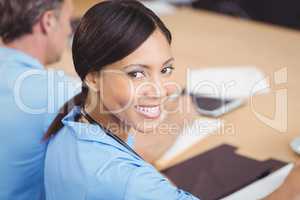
203,39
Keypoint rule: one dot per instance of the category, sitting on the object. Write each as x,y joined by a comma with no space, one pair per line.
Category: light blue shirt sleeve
145,183
131,181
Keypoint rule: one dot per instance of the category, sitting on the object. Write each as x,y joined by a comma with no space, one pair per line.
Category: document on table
191,135
263,187
227,82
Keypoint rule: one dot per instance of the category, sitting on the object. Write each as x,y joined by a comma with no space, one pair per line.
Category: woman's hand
290,189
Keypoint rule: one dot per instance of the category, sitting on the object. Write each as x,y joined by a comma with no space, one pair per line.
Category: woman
122,53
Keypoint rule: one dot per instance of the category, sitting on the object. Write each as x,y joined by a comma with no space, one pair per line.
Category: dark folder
219,172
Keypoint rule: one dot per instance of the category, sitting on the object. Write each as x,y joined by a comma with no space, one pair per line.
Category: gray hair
17,17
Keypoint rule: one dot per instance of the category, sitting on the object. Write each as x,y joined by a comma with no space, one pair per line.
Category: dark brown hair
17,17
108,32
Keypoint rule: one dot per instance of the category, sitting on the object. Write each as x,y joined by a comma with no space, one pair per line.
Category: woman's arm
147,183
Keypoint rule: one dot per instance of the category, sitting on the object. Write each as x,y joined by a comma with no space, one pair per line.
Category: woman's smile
149,111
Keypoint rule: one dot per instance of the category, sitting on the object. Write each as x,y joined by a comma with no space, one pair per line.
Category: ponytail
57,124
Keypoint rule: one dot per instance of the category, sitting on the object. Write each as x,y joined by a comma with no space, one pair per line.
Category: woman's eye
167,70
136,75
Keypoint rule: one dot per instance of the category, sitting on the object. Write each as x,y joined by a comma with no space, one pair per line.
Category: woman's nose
152,89
158,89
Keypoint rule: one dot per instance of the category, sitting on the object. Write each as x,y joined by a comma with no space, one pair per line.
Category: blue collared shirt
84,163
28,103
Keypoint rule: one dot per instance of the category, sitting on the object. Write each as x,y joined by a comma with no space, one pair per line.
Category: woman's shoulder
98,166
96,155
95,147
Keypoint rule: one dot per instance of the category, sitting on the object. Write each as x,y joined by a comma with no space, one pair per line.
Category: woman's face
135,88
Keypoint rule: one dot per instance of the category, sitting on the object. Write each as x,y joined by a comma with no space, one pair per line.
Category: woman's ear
92,80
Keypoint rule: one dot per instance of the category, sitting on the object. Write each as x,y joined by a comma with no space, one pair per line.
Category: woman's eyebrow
146,66
136,65
168,61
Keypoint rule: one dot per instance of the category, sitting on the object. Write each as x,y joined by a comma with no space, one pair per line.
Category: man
34,34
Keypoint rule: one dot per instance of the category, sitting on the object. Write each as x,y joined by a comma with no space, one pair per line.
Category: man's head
47,21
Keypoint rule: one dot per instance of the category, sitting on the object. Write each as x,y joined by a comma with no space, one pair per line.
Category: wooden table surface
203,39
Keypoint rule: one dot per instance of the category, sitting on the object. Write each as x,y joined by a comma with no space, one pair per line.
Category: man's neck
32,46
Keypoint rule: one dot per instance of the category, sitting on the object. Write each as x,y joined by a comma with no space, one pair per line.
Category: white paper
191,135
264,187
230,82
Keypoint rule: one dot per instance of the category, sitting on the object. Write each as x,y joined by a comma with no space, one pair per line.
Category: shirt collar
10,54
92,132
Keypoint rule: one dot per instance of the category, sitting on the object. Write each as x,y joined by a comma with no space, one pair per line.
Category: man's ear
48,21
93,80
